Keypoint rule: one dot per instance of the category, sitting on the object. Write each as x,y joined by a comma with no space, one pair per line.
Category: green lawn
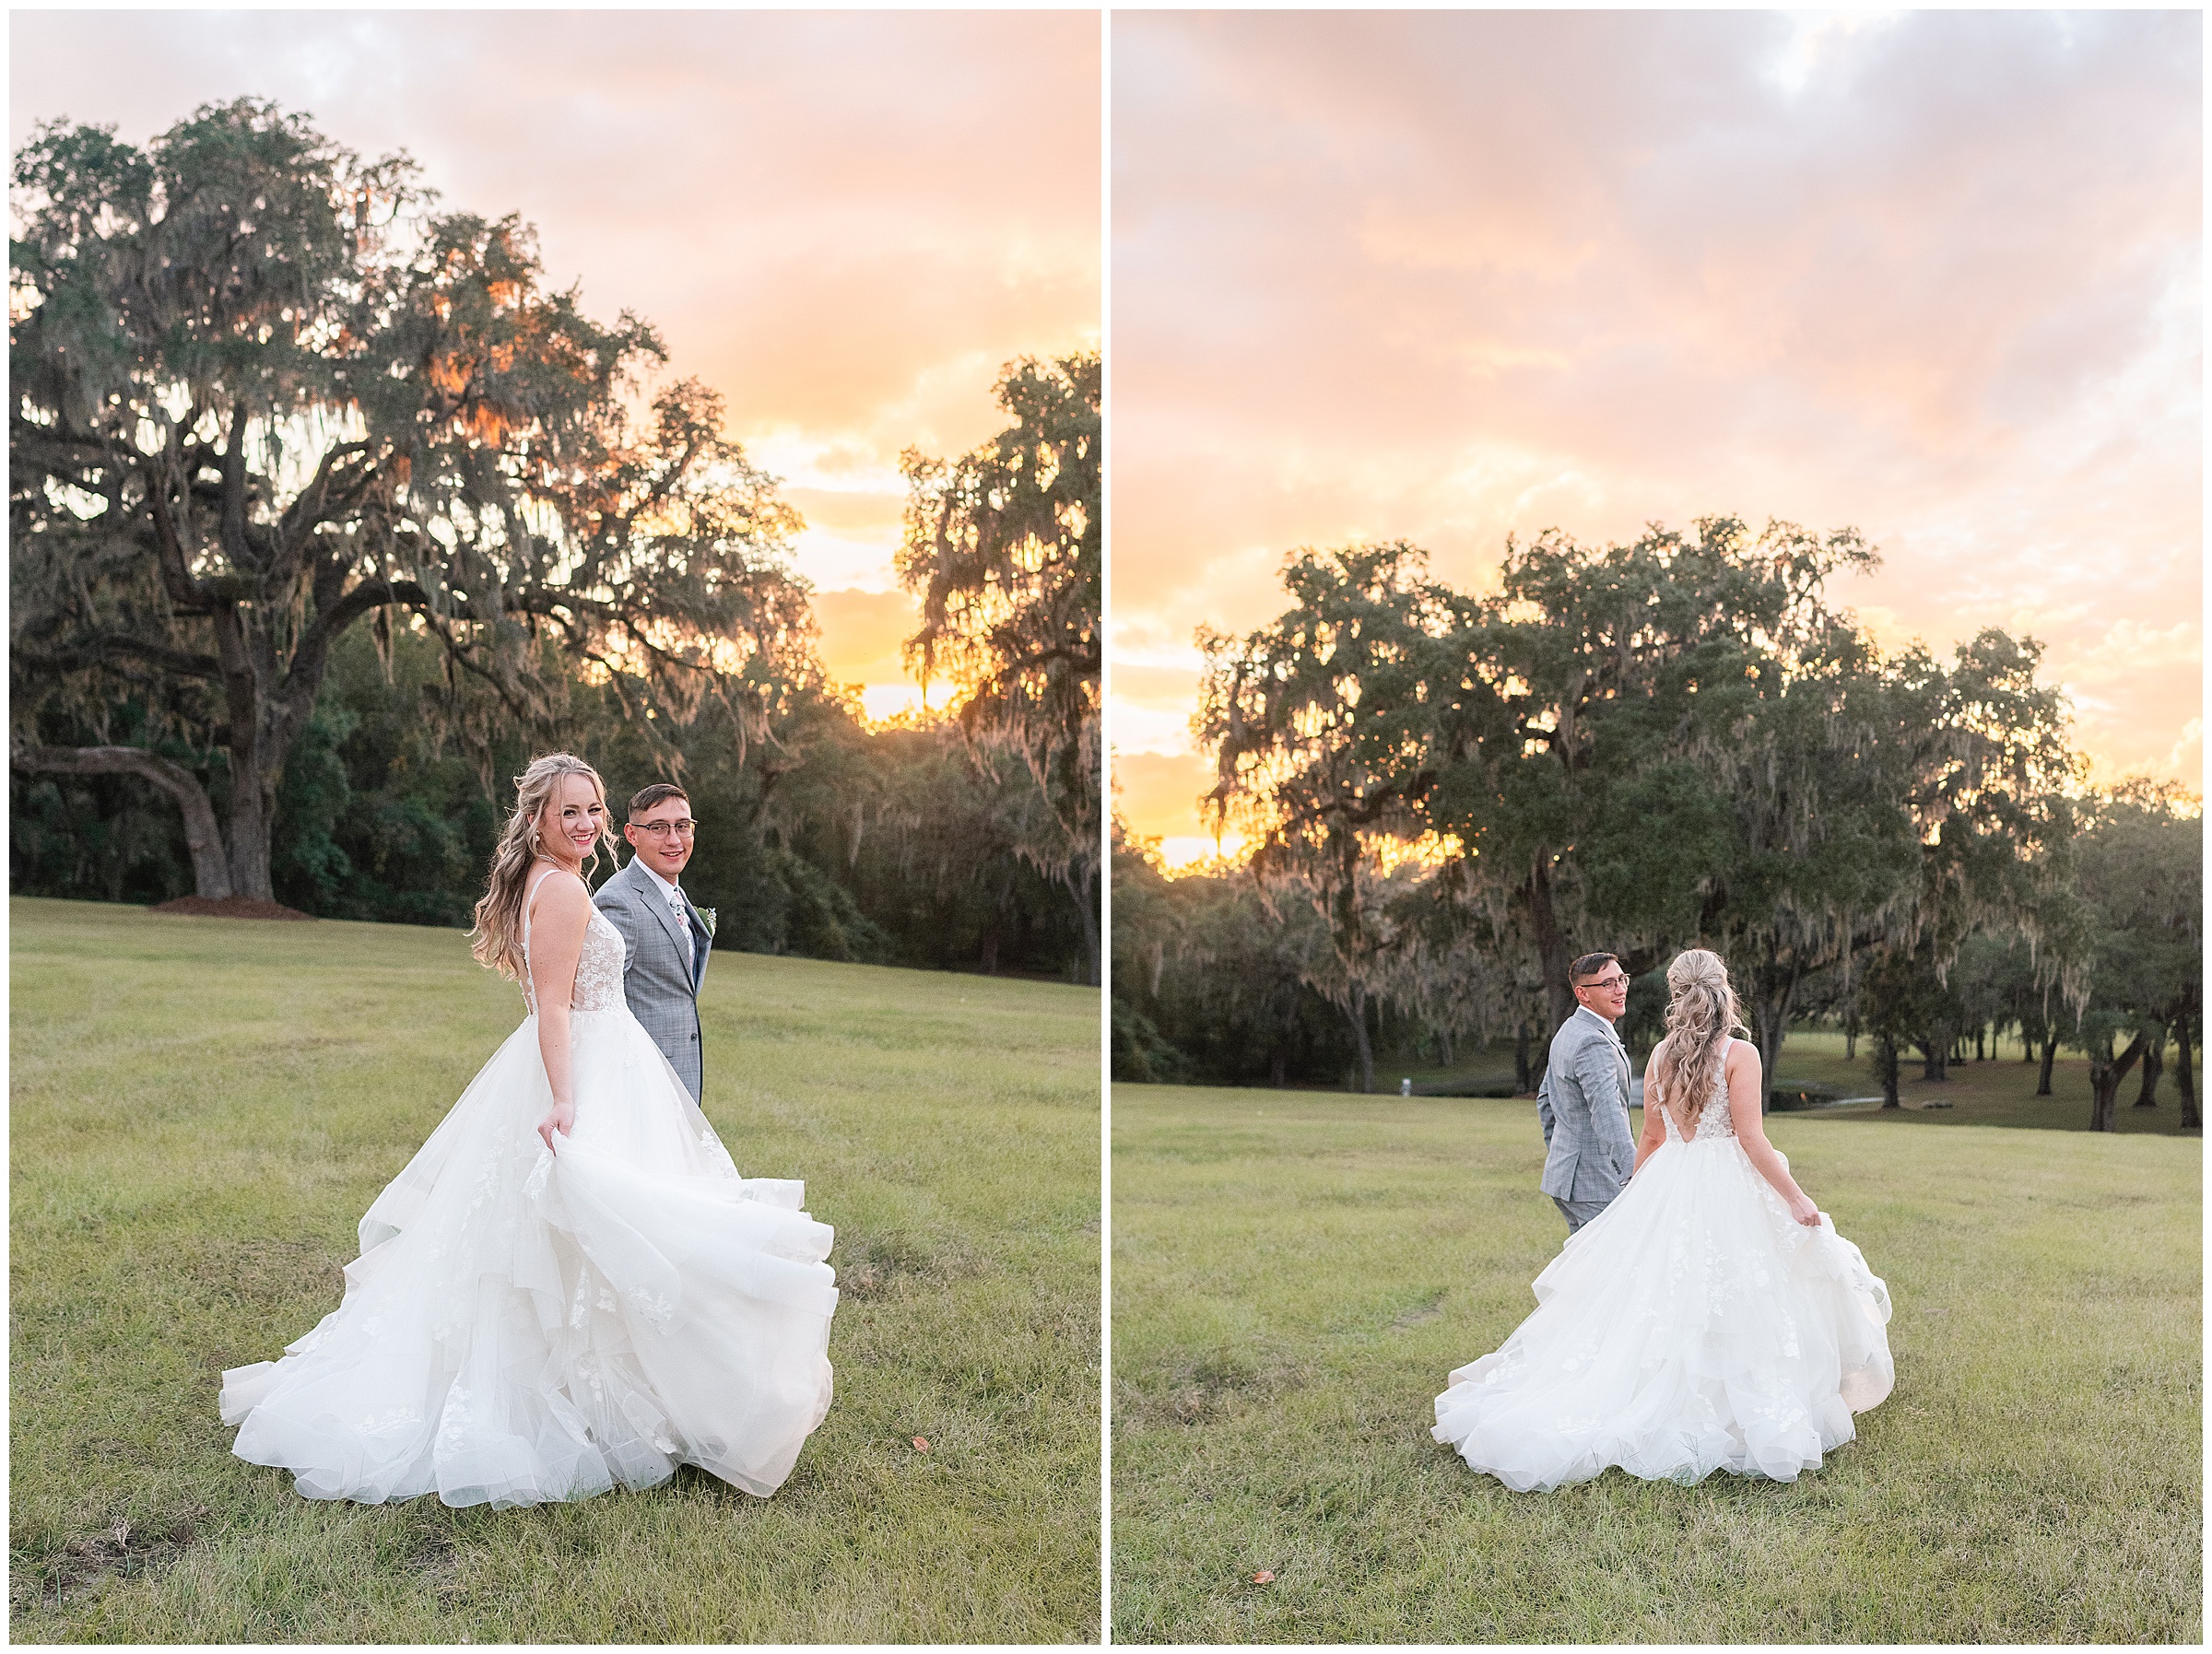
1295,1274
201,1109
1998,1091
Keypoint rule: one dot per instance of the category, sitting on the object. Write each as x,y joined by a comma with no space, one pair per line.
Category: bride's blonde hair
497,938
1700,1020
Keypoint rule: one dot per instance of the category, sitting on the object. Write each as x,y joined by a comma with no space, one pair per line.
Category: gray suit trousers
1578,1213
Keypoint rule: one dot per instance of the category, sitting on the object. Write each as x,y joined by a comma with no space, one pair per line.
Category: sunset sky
843,221
1435,275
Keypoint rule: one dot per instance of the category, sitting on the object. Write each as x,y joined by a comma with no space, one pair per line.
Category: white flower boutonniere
706,917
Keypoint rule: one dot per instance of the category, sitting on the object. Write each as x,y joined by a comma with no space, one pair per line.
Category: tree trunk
1356,1012
2154,1064
1935,1056
2043,1083
2105,1075
1981,1053
1551,947
1886,1051
1524,1079
1773,995
210,869
250,830
1851,1035
1086,921
2184,1081
1444,1047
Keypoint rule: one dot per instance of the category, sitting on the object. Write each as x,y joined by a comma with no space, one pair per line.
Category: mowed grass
1295,1274
1997,1091
201,1110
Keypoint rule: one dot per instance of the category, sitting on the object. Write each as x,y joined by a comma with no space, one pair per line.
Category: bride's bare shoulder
558,895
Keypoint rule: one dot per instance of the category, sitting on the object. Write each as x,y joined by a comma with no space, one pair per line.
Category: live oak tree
1321,734
1664,743
2140,876
265,394
1637,747
1208,982
1003,547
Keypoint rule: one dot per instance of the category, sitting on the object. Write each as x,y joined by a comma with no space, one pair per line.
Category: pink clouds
1448,276
845,221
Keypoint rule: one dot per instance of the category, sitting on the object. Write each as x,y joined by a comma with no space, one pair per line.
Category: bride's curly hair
497,938
1700,1020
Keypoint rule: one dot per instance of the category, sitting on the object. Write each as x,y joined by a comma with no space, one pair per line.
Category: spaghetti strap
530,901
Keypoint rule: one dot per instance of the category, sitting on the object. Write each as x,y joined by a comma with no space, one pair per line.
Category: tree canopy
1004,547
263,392
1678,741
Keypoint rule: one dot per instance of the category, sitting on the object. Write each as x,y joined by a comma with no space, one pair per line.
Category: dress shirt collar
1611,1032
671,892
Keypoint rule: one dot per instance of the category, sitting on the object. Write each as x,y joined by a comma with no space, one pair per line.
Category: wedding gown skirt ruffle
1693,1326
525,1325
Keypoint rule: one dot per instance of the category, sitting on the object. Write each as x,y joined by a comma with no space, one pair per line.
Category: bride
1711,1318
569,1285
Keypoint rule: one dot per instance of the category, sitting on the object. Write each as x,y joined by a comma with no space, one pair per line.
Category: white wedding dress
525,1325
1693,1326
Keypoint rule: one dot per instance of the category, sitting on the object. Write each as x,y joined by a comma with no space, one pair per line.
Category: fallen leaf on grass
1264,1577
921,1445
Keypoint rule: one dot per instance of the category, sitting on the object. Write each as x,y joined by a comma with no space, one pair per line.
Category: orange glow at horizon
816,210
1446,276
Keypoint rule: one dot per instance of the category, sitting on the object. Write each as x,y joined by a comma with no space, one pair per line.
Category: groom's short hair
660,792
1589,965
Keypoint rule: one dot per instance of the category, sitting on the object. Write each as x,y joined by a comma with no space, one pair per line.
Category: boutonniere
706,917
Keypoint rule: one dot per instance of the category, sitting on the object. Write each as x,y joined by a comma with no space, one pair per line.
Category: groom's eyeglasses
660,829
1611,982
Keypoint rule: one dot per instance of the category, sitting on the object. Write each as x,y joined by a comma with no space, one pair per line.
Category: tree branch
210,868
96,650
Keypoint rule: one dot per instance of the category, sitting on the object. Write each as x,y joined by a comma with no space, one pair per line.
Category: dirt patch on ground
230,907
1195,1390
123,1551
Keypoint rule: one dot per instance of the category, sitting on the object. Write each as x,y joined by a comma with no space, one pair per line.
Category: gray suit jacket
663,995
1583,1104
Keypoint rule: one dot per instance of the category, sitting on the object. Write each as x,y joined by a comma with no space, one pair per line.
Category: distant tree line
1676,742
327,511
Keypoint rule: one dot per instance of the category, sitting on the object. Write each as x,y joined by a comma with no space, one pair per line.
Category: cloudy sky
1446,276
845,222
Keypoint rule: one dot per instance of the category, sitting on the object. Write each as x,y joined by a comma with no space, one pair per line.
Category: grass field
1999,1091
1295,1274
201,1109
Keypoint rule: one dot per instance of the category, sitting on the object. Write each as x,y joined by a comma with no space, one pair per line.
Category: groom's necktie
683,924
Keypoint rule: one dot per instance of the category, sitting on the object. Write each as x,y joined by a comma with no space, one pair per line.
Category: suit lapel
649,889
1620,1049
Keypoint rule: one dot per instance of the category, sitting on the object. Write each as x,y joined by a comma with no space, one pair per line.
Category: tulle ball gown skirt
1693,1326
525,1325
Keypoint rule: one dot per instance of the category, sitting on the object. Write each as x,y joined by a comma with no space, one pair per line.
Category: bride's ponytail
1700,1020
497,938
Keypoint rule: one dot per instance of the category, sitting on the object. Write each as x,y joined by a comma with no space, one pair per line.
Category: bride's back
1714,1119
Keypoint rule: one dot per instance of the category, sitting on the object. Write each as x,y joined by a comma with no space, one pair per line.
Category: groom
1583,1101
664,941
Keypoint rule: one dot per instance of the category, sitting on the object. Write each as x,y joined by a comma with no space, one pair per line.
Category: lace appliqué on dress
1714,1119
599,970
